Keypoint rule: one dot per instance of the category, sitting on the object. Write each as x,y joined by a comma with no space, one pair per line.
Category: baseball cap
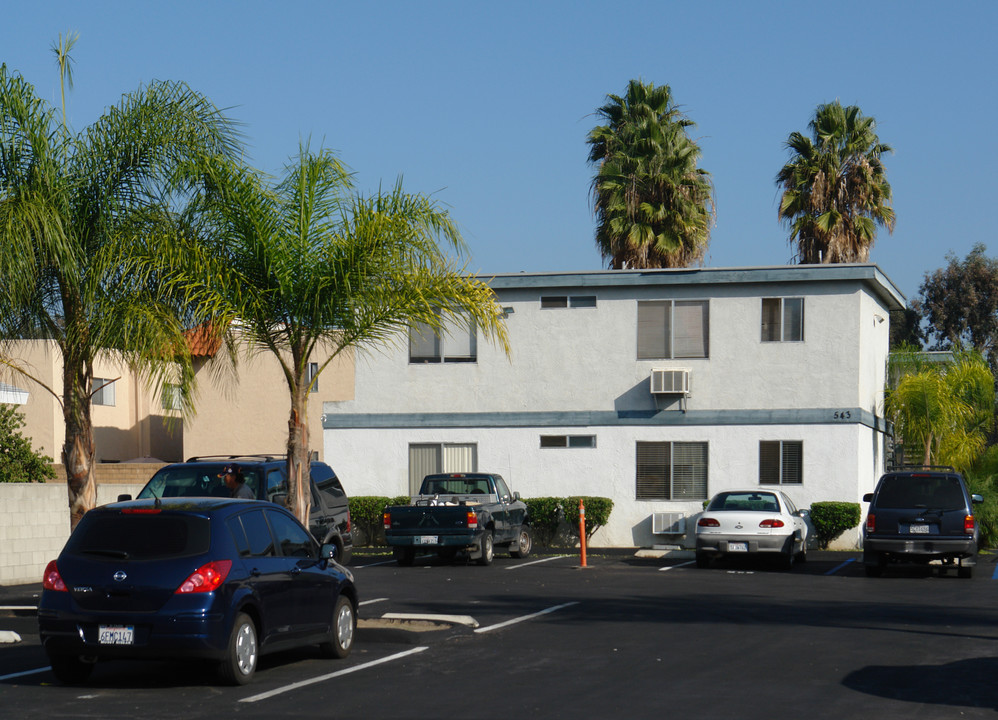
232,468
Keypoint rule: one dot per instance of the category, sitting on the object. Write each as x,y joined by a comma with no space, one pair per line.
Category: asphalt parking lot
627,635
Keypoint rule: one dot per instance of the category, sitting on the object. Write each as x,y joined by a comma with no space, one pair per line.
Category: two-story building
655,388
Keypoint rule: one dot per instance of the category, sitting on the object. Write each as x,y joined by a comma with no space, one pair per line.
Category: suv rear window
193,481
139,537
914,491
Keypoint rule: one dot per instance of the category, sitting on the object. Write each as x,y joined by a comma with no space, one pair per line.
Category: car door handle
255,572
295,570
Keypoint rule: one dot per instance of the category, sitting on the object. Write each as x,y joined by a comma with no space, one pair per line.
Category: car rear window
754,501
140,536
194,481
920,491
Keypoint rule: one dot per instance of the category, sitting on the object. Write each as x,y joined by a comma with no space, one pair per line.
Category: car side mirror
803,513
328,552
976,498
868,497
123,497
516,495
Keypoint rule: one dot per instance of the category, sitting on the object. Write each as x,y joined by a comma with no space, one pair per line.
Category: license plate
737,547
918,529
426,539
116,635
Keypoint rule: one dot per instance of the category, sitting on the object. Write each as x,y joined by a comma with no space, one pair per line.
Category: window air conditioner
670,382
668,523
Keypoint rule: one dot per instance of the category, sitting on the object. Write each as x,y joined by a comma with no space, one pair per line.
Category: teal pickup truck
459,512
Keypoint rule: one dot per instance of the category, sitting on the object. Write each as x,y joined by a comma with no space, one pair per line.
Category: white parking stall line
522,618
534,562
373,600
672,567
330,676
22,674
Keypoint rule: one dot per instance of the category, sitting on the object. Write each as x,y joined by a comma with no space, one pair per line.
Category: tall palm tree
835,189
654,206
72,206
307,264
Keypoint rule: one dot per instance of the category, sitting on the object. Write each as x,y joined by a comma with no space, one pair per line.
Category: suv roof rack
245,456
932,468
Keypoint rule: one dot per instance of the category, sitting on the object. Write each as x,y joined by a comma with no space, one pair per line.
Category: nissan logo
120,576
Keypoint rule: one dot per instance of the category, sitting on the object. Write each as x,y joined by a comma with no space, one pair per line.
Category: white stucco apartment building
654,388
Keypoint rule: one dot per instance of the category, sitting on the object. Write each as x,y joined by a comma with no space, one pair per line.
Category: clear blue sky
487,105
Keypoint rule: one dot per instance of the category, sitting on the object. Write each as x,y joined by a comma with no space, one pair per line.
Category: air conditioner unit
668,523
670,382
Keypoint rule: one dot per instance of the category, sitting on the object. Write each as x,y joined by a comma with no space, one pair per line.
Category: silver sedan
751,522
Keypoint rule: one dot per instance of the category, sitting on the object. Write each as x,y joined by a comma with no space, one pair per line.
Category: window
431,458
568,441
171,397
456,342
103,392
671,471
673,329
782,319
313,370
781,462
292,538
564,301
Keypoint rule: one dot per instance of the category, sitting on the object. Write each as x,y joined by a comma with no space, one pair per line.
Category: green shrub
831,519
19,462
366,517
555,521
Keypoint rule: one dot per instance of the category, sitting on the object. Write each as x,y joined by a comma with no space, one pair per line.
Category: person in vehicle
236,482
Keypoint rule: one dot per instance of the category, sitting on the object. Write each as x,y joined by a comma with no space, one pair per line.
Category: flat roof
868,274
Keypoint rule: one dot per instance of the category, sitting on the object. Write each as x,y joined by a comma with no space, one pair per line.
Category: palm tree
944,410
72,206
835,189
654,206
308,264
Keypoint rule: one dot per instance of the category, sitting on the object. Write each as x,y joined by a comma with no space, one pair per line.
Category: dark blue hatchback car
219,579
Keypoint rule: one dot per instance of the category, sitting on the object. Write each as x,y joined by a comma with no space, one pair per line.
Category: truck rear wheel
488,550
404,556
520,547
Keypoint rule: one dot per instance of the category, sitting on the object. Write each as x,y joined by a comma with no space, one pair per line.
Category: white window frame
170,398
313,370
456,342
786,326
673,329
555,442
103,392
431,458
666,457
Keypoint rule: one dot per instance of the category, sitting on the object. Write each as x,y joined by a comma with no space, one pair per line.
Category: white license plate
737,547
918,529
116,635
426,539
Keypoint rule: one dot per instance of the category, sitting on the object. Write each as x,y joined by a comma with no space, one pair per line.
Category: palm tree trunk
79,449
300,496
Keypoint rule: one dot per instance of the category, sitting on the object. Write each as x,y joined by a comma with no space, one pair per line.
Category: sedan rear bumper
753,543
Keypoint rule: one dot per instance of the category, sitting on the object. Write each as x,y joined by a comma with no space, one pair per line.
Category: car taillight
206,578
871,523
472,520
142,511
969,524
708,522
52,580
771,523
387,519
348,521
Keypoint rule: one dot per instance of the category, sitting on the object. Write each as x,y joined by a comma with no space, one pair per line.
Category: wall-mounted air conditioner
670,382
668,523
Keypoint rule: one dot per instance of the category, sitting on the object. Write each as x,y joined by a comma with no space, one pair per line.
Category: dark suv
919,516
266,476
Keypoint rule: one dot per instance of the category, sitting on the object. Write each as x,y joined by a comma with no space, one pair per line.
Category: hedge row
554,521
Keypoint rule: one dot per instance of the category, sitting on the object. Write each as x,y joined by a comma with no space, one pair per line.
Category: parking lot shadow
964,683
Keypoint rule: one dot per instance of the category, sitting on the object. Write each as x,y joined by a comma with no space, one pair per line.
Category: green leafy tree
943,411
960,304
654,206
19,462
308,263
835,189
72,207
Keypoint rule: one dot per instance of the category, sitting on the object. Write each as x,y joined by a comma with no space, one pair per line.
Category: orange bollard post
582,532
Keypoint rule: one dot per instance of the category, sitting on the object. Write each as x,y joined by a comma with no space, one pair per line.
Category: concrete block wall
34,525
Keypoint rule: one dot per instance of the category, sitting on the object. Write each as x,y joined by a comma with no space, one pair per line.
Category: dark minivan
918,516
266,476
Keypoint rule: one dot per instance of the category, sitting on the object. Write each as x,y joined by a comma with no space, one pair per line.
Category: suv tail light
708,522
348,521
871,523
772,523
472,520
52,580
387,520
969,524
206,578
